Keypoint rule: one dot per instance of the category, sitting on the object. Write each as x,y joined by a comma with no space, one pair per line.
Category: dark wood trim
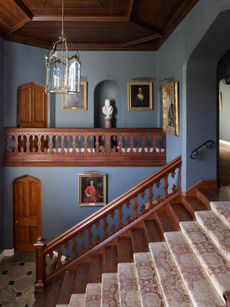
68,18
145,25
131,5
24,8
142,40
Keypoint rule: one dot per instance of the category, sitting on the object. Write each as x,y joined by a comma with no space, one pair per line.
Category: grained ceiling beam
24,8
81,18
142,40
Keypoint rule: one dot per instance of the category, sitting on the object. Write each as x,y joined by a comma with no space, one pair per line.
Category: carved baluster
90,237
107,142
96,143
164,142
166,186
81,238
17,147
135,207
105,225
120,217
73,143
59,264
158,196
63,143
98,240
128,219
85,143
174,188
27,143
113,228
56,143
150,196
131,143
179,177
74,248
143,142
40,266
39,142
154,142
119,140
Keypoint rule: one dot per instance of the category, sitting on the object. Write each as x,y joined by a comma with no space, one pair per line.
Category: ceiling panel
93,24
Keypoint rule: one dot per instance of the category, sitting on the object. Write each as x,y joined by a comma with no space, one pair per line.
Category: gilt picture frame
170,105
92,189
140,95
78,102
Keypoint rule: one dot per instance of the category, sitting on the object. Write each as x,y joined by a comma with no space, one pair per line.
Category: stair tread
125,250
153,231
216,230
139,241
201,291
222,210
109,291
171,284
110,259
211,260
77,300
214,194
165,220
93,295
66,288
81,278
195,203
127,282
150,293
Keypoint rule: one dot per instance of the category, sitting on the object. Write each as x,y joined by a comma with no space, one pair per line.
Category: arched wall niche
107,89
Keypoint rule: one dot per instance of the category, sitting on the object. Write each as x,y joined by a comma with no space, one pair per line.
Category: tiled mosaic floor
17,276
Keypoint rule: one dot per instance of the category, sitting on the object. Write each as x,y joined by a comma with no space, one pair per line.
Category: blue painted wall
60,185
197,84
60,208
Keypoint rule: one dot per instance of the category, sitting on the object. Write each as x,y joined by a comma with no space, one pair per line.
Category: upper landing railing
85,147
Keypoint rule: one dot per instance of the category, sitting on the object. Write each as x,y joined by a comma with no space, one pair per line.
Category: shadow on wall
107,89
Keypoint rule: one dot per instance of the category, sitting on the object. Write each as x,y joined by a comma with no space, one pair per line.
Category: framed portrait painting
92,189
76,101
170,108
140,95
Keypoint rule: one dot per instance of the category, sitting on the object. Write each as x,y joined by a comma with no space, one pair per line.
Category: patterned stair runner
191,268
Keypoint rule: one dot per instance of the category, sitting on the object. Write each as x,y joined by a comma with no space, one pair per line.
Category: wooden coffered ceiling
93,24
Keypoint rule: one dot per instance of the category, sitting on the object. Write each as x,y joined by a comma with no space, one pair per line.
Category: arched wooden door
27,212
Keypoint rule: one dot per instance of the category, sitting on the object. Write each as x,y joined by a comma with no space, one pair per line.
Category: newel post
40,268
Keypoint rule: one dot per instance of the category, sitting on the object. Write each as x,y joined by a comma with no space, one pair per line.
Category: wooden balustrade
108,222
89,147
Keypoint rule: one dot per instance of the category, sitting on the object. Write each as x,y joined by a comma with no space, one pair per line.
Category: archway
107,89
202,100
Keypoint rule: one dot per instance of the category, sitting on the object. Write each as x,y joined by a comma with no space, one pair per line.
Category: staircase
166,259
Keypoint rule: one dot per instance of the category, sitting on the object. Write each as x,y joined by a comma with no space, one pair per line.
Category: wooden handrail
120,199
84,146
135,200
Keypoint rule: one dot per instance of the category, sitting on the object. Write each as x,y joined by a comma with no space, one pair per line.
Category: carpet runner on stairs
191,268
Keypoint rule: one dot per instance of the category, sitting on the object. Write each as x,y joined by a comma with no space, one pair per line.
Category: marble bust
107,109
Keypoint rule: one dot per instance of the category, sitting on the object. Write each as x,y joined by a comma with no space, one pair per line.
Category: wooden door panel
27,212
25,107
40,107
32,106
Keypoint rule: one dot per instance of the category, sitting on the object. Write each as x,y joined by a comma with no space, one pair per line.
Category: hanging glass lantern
63,73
